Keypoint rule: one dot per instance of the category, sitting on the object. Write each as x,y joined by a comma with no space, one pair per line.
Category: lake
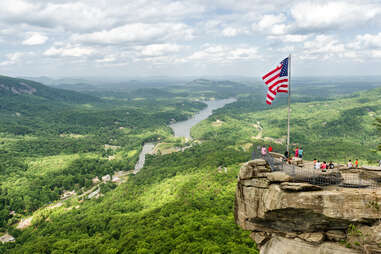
182,129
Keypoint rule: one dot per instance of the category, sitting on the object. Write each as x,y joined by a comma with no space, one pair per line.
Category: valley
179,201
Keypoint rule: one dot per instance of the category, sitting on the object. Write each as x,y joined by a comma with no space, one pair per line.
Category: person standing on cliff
264,151
301,153
350,165
356,163
323,167
317,165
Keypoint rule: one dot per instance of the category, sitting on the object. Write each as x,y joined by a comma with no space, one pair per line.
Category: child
357,163
331,166
350,165
297,152
314,163
270,149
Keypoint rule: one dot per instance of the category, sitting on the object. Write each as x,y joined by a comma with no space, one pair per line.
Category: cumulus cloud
138,33
234,31
367,41
272,24
35,39
68,15
324,45
223,53
160,49
12,58
69,51
312,16
167,32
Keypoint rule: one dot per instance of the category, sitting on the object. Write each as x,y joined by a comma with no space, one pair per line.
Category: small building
7,238
106,178
95,180
94,194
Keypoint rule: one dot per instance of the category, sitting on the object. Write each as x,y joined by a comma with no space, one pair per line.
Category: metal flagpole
289,102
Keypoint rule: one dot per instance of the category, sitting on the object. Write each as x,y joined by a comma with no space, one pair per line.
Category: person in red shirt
356,163
270,148
323,167
297,152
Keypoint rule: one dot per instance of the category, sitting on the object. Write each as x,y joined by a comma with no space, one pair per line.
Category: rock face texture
296,217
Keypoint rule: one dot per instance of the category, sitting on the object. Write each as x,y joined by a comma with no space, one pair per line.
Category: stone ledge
287,186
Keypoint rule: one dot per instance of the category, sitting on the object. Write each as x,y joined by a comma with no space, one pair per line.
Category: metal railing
349,178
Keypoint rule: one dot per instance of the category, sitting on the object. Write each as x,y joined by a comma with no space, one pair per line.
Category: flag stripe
269,81
279,81
278,68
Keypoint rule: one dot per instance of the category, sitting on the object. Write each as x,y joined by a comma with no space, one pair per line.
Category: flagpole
289,103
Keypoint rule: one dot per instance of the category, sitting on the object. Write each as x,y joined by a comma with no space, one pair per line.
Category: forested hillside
331,128
49,146
179,202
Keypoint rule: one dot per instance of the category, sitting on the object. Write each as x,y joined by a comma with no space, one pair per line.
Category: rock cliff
285,216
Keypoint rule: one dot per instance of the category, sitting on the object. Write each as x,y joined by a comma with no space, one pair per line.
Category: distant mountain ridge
17,87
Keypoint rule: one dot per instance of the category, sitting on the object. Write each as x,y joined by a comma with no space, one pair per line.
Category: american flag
277,81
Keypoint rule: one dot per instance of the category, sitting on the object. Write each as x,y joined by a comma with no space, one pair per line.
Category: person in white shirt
317,165
350,165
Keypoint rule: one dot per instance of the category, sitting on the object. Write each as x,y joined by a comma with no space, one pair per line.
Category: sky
139,38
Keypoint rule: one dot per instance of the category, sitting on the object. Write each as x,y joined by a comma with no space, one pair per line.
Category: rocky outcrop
285,216
20,88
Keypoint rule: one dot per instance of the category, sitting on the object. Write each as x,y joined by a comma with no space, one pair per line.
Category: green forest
56,141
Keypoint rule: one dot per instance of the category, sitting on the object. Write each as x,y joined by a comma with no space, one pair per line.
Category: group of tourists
323,166
265,150
350,164
298,152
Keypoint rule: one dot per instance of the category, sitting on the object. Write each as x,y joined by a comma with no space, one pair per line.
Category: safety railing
349,178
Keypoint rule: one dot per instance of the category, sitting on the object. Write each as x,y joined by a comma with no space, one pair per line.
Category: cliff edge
285,216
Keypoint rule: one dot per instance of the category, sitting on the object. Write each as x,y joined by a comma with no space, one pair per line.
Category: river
182,129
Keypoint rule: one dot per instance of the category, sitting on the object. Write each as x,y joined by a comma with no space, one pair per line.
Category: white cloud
12,58
160,49
119,32
272,24
35,39
294,37
71,51
323,44
233,31
376,53
334,14
367,41
223,53
230,32
16,7
268,21
107,59
138,33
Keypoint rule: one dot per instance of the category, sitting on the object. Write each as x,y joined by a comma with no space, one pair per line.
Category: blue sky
118,38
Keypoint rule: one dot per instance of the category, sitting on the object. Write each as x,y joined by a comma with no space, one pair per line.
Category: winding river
182,129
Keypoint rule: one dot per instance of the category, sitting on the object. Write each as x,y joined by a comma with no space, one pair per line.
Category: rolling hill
21,87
